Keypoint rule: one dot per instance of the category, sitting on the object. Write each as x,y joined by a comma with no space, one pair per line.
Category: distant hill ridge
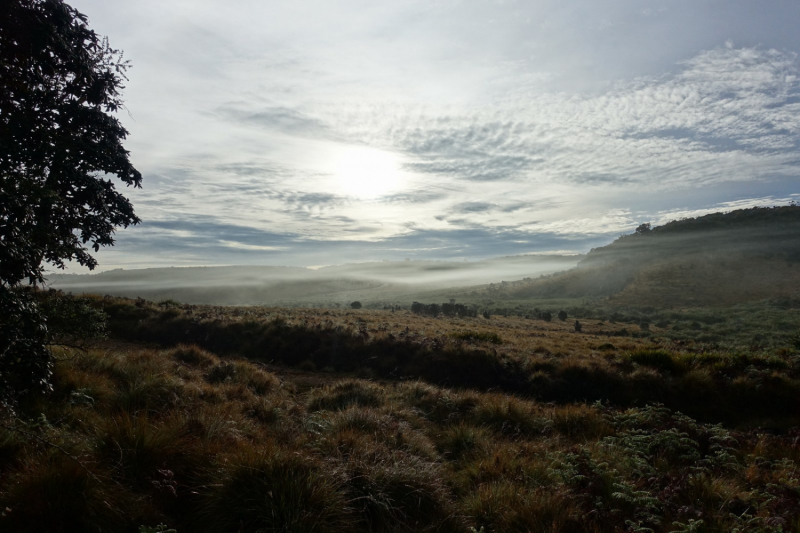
716,259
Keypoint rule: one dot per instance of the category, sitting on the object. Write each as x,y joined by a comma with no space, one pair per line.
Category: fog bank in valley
386,281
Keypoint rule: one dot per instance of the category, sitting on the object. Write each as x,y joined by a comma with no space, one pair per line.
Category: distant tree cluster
447,309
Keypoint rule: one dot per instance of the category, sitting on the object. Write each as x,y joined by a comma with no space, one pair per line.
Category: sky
310,133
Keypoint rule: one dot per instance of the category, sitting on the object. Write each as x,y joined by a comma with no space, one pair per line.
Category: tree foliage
60,84
58,140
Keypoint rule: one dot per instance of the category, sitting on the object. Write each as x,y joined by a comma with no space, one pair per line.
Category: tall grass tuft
504,507
399,493
273,491
346,393
57,495
137,447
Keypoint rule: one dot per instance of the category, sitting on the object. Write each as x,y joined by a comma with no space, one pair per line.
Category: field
254,419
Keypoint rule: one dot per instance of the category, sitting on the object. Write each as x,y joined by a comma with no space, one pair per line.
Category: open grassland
135,436
547,361
215,419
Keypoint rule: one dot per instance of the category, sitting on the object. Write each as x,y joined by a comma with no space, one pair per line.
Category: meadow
221,419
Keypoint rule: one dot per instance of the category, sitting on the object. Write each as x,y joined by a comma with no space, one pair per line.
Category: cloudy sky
322,132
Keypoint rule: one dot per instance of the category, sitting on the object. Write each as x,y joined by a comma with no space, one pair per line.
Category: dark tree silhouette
59,85
355,305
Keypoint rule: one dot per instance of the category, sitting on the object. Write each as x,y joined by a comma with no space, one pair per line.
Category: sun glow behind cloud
366,173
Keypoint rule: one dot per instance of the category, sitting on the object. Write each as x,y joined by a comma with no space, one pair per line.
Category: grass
271,490
547,431
547,361
477,336
356,455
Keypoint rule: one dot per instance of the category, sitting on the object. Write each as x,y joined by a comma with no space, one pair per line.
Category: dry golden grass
147,436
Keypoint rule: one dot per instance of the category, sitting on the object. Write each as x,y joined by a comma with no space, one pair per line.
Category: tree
355,305
59,85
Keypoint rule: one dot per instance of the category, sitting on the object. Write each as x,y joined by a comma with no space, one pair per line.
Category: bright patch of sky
312,133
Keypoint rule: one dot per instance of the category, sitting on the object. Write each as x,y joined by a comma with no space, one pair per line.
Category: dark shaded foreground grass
138,437
536,361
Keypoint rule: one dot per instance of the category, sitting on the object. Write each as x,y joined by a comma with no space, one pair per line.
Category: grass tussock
477,336
345,394
273,490
504,507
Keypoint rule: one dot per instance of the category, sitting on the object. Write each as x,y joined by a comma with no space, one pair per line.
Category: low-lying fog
252,285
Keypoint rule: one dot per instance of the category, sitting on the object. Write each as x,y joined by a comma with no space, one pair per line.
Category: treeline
451,309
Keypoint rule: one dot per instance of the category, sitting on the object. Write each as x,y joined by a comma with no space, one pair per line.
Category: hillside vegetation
714,260
214,419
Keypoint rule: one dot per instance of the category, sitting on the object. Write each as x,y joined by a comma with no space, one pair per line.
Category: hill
717,259
376,282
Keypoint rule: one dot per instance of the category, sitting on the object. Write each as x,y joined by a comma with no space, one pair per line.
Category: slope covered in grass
717,259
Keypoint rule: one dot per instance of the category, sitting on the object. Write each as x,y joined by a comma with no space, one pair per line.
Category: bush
25,363
658,359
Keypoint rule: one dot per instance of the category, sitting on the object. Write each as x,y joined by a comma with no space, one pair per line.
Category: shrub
658,359
25,362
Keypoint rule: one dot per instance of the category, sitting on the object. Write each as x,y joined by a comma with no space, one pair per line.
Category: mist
373,282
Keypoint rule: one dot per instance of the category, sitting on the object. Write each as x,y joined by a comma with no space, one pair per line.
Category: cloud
413,197
508,121
276,118
473,207
727,114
